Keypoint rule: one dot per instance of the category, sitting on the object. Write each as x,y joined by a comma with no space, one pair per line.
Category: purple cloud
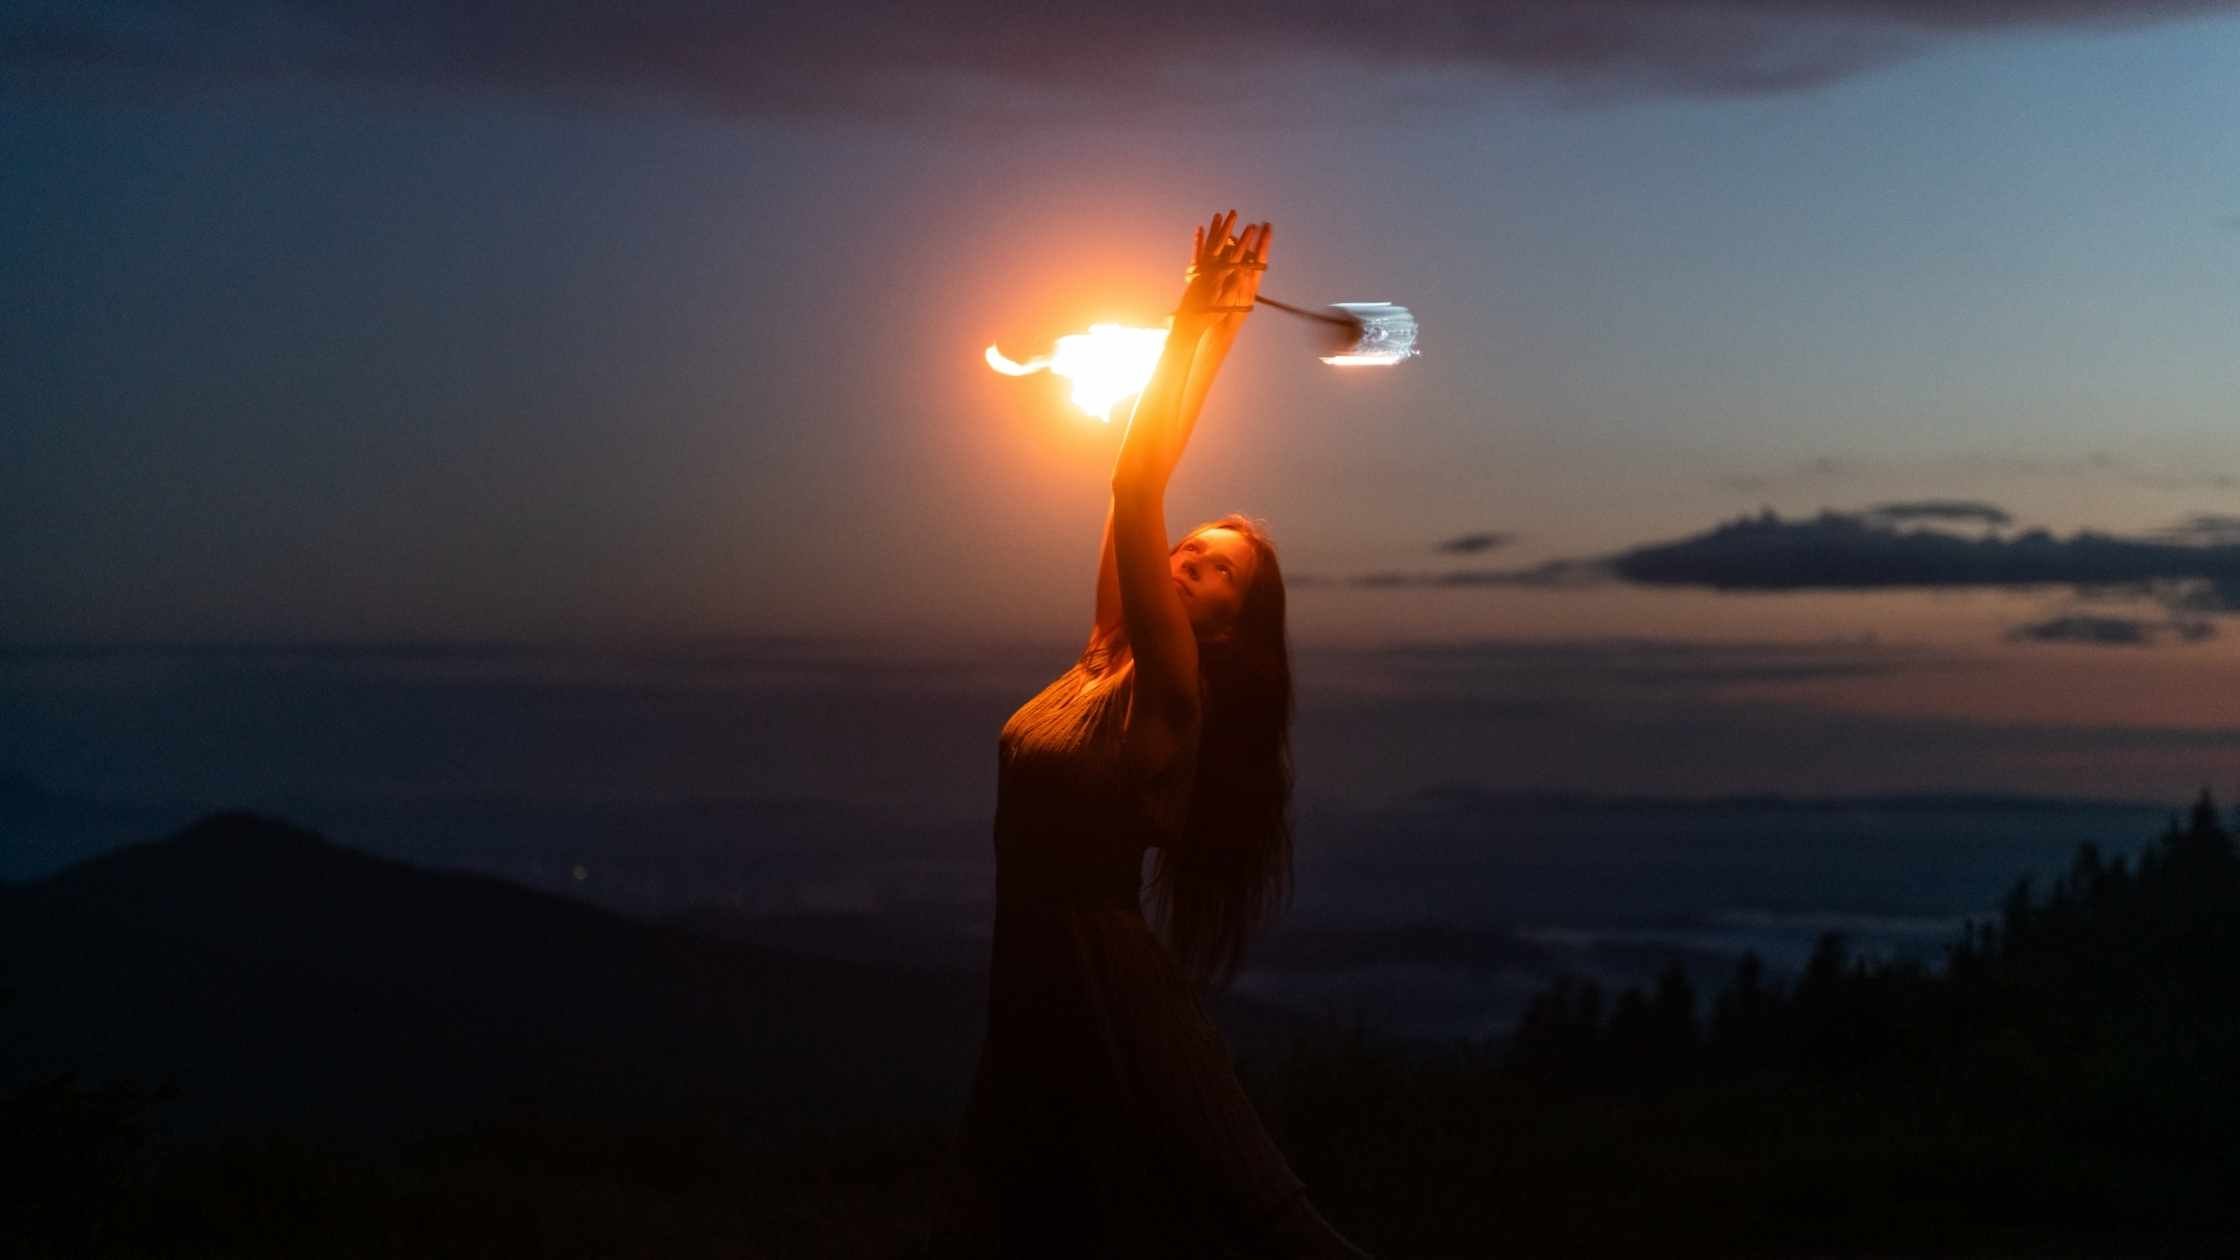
1472,544
2112,631
1941,510
2193,567
889,56
1839,550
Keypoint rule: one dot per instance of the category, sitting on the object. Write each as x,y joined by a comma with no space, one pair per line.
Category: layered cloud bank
1839,550
2190,569
886,58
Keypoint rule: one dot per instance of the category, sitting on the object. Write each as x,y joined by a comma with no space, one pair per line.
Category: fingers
1215,244
1252,249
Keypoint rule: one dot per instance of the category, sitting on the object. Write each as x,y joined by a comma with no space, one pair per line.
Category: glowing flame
1106,364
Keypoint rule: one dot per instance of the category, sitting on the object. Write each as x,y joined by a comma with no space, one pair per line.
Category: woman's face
1212,570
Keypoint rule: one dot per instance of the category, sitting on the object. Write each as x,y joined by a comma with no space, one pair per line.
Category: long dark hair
1229,871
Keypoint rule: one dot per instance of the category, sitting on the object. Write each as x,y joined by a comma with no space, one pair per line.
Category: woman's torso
1076,802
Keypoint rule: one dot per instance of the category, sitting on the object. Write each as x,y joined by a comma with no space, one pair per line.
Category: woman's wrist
1193,321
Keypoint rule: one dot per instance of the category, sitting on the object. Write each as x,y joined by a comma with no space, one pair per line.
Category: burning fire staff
1106,1112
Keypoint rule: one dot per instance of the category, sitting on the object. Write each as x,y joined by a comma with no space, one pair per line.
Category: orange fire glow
1107,364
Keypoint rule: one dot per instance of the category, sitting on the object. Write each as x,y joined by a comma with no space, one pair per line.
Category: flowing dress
1106,1114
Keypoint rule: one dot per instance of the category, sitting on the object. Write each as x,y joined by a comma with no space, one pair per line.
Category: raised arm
1224,280
1219,292
1109,627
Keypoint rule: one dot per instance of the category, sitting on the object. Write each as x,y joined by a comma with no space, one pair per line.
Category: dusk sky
337,323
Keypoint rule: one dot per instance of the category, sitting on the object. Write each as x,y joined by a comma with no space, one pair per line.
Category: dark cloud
891,56
1472,544
1867,551
1843,551
2111,631
1941,510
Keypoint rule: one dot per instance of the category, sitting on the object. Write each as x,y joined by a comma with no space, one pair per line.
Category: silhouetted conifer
1631,1043
1559,1040
1673,1035
1742,1020
2115,997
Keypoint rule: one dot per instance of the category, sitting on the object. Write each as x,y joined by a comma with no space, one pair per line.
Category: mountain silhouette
292,985
287,983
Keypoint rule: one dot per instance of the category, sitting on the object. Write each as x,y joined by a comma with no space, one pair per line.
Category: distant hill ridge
291,983
249,880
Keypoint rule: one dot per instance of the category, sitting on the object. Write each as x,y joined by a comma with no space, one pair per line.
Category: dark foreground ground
511,1074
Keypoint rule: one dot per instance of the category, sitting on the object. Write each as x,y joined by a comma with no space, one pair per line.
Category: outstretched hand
1224,276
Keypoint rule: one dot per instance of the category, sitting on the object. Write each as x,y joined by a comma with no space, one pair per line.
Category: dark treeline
2115,997
2064,1083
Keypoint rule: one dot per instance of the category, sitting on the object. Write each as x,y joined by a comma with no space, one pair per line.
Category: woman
1106,1114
